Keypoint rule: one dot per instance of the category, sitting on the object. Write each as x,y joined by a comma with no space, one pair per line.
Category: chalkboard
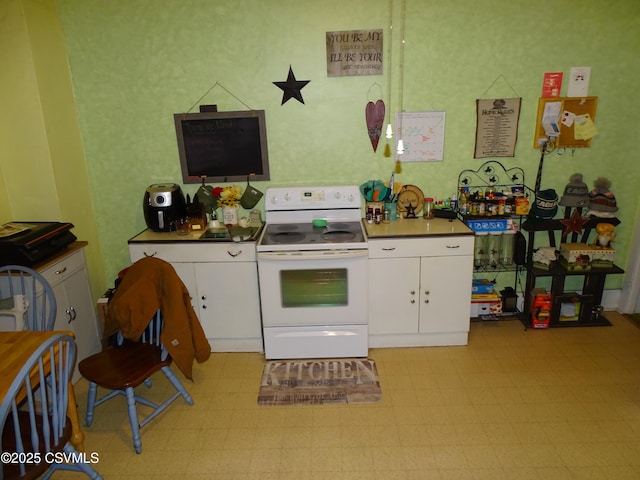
222,146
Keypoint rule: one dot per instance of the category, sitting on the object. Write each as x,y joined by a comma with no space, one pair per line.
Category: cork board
578,106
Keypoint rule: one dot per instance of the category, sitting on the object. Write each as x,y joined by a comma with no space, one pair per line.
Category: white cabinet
222,279
419,290
75,307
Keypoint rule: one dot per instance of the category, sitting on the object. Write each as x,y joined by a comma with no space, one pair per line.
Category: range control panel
305,198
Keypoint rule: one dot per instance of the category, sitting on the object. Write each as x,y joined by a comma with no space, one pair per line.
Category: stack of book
484,299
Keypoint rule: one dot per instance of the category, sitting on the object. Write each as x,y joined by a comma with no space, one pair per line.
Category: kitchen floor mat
319,382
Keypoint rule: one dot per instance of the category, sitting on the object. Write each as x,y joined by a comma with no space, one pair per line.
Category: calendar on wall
422,134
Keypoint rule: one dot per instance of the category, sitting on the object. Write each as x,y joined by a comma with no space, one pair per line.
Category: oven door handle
312,254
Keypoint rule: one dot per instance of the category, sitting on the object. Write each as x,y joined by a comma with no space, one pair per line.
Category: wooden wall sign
354,52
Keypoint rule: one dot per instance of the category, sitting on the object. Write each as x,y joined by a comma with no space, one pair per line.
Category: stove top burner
287,237
285,227
305,234
338,236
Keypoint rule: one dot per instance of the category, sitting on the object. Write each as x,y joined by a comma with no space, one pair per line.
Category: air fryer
163,205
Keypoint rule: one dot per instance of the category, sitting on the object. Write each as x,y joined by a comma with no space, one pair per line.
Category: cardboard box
575,257
540,308
541,320
522,206
583,257
481,285
486,307
486,304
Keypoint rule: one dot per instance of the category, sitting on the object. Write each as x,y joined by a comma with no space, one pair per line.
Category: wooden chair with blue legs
27,301
126,365
35,426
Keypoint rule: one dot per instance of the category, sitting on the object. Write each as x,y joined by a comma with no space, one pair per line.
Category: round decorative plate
410,198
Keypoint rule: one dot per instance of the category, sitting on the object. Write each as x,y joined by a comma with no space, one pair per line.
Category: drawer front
174,252
422,247
64,268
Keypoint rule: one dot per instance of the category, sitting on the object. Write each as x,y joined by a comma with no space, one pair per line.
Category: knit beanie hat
546,205
602,202
576,193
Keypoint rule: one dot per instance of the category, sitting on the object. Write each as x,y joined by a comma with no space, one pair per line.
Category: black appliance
27,243
164,203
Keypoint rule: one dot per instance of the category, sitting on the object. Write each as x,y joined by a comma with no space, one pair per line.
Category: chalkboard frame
221,147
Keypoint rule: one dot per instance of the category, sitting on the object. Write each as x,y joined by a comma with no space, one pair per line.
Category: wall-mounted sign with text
354,52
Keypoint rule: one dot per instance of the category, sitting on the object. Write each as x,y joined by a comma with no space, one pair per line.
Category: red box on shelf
540,308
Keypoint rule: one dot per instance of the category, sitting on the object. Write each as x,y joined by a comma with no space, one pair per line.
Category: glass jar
480,249
495,248
429,207
508,246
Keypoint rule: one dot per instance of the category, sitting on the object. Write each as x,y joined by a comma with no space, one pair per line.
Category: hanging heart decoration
374,114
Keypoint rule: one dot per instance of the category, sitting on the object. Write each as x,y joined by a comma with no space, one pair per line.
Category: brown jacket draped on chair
149,284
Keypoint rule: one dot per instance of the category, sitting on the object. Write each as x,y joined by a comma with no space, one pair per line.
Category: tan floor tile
559,404
297,437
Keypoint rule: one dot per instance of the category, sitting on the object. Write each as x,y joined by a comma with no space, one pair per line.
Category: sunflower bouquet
228,196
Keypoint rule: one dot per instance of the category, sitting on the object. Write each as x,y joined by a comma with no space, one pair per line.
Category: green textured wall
134,63
43,172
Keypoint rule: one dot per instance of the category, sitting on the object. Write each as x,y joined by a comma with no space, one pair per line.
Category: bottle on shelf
463,201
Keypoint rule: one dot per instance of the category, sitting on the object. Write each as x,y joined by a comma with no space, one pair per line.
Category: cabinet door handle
426,300
388,249
71,313
234,255
453,246
413,292
427,292
413,300
150,255
60,272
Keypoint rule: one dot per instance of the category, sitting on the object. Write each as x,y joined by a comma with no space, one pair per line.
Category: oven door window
325,287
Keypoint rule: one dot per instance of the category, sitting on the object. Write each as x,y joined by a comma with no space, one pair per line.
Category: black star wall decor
291,87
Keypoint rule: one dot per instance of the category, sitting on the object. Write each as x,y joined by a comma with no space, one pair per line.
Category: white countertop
402,227
150,236
416,227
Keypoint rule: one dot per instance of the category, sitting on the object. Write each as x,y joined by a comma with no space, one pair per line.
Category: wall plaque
354,52
497,127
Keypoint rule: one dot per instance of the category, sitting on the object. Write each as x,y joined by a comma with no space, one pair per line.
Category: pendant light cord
403,13
390,53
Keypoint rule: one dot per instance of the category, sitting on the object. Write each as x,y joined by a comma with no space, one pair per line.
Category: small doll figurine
606,234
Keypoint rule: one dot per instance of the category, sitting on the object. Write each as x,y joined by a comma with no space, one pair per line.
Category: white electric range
312,265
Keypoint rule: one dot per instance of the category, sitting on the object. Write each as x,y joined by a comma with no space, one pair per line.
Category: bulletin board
577,106
422,134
